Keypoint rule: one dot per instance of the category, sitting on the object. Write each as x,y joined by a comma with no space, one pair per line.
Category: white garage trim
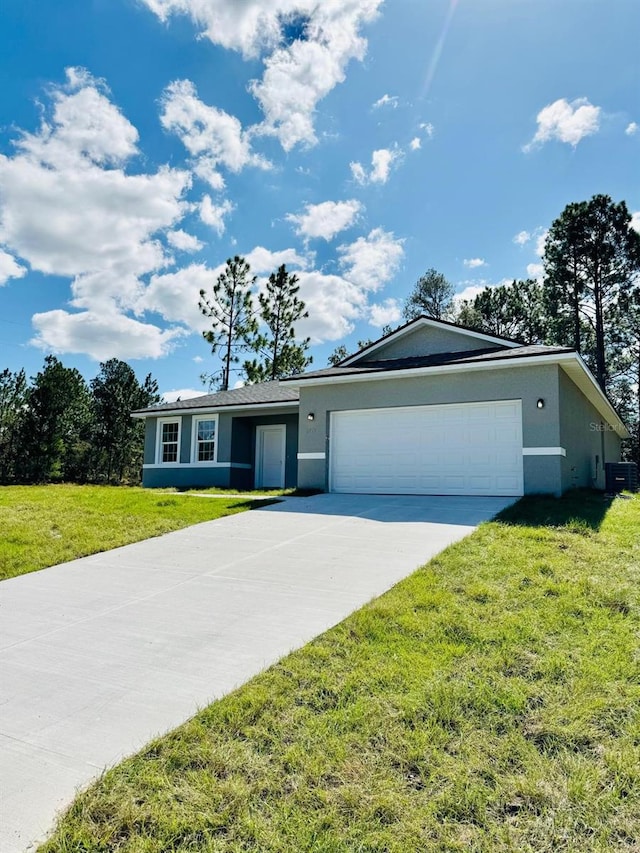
544,451
443,449
312,455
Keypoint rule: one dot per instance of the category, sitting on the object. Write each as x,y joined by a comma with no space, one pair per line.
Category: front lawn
490,702
41,526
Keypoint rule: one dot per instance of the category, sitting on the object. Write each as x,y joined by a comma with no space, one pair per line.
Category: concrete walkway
99,655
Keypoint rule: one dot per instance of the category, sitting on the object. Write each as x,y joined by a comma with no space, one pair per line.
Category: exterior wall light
311,416
540,403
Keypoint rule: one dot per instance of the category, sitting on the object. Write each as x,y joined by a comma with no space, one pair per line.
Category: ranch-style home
432,408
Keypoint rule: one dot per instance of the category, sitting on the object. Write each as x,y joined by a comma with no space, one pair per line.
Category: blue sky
142,142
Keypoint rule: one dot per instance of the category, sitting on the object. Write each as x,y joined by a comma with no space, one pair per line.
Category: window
168,441
204,439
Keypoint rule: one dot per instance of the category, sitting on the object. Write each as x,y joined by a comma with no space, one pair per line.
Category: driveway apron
101,654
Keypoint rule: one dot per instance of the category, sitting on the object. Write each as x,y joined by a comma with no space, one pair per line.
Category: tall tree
591,259
515,311
280,354
13,403
118,438
56,428
626,386
234,327
432,295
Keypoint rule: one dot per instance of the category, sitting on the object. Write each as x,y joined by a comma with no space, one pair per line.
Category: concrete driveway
99,655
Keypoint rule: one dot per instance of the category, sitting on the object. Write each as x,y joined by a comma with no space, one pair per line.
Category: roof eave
203,410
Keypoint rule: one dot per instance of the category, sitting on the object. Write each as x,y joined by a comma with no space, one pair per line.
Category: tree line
58,428
588,299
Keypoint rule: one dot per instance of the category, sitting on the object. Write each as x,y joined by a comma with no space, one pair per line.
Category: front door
270,454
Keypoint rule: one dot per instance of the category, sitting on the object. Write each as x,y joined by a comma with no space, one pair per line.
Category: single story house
432,408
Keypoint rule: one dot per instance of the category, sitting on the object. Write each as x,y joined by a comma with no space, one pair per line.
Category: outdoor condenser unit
621,476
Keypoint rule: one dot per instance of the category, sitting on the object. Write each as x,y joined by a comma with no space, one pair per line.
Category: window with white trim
205,439
169,441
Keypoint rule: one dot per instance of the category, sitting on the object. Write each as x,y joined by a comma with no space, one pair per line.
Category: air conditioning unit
621,477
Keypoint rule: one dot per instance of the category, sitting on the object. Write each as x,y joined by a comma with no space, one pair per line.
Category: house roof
249,395
423,320
437,360
364,366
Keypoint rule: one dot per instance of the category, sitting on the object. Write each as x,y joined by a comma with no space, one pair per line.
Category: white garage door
458,449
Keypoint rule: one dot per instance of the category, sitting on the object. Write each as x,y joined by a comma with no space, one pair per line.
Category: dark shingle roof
438,360
248,395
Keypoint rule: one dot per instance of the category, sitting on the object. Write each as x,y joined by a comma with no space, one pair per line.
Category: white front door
270,455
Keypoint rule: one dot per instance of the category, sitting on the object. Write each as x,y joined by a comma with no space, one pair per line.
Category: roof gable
425,336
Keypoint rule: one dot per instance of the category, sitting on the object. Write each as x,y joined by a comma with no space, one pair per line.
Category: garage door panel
466,448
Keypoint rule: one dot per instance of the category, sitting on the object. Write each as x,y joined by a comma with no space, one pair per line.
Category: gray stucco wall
429,341
588,439
540,426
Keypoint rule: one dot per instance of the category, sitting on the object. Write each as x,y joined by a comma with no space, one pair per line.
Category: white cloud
428,128
174,295
635,221
382,161
198,359
471,288
185,242
632,128
358,173
386,101
263,260
415,143
214,214
325,220
9,268
385,313
541,239
333,303
535,270
102,336
205,168
566,121
182,394
371,261
69,208
469,292
473,263
207,133
84,128
298,74
522,238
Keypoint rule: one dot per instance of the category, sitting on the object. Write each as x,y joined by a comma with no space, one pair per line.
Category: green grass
42,526
490,702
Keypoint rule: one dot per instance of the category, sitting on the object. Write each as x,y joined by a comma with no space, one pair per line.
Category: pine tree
591,258
432,295
234,328
118,438
280,354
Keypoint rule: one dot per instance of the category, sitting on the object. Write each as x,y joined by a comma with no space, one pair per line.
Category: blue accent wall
236,444
189,477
